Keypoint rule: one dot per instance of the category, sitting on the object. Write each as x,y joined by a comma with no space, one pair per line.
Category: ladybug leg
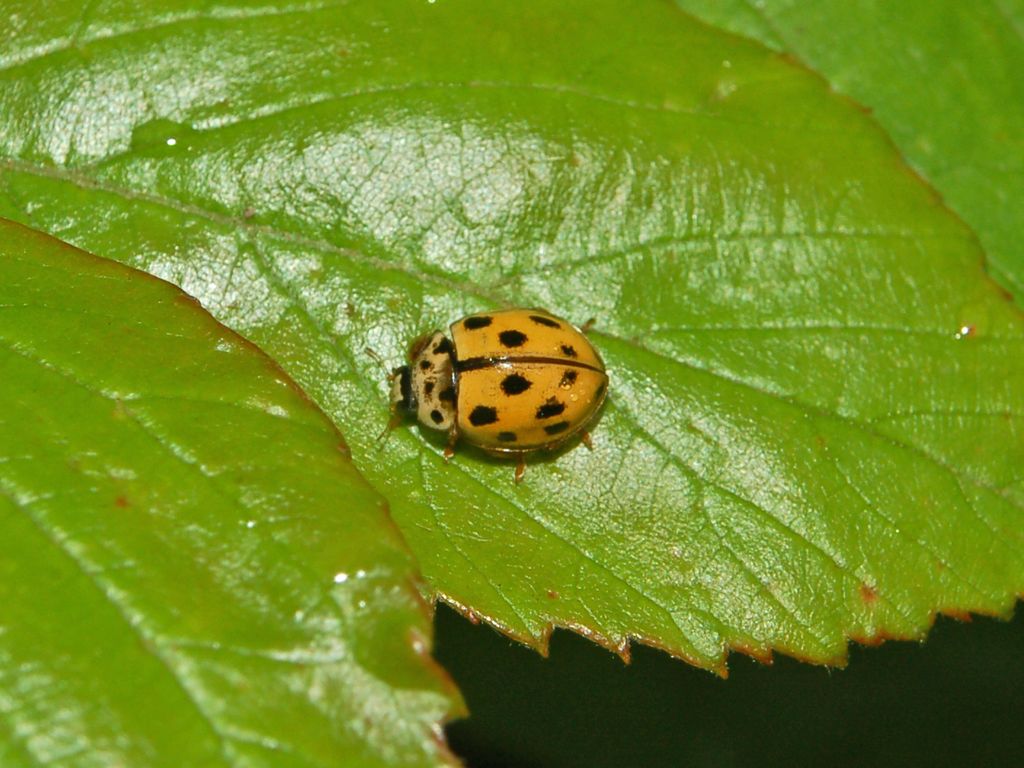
393,422
449,449
585,328
520,469
585,439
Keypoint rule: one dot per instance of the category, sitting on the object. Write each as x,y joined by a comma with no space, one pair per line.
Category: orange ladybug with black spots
510,382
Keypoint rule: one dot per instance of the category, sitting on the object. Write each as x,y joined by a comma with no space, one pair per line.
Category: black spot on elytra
568,379
426,365
448,395
507,437
443,347
476,323
551,408
541,320
436,416
600,392
483,415
554,429
428,388
512,338
568,351
514,384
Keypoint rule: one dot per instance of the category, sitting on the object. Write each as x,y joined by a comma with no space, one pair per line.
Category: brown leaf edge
868,593
413,585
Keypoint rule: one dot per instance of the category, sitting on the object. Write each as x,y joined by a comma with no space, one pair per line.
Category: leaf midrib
77,41
274,232
454,285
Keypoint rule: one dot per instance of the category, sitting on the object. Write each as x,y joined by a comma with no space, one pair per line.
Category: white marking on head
432,375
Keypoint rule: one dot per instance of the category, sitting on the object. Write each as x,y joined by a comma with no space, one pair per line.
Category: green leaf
816,402
941,76
192,573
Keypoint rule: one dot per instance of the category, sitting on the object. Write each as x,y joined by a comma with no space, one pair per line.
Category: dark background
956,700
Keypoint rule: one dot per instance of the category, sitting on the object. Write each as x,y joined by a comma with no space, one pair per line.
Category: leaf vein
854,423
76,40
151,641
773,519
302,306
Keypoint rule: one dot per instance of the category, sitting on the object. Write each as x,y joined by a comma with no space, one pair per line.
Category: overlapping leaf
192,573
816,393
943,78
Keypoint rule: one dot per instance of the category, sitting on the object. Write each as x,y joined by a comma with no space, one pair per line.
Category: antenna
380,361
396,418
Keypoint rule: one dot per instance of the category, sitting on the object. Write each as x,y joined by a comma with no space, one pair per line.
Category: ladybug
510,382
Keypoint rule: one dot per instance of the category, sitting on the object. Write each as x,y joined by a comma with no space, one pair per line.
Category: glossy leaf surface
192,573
942,77
814,420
